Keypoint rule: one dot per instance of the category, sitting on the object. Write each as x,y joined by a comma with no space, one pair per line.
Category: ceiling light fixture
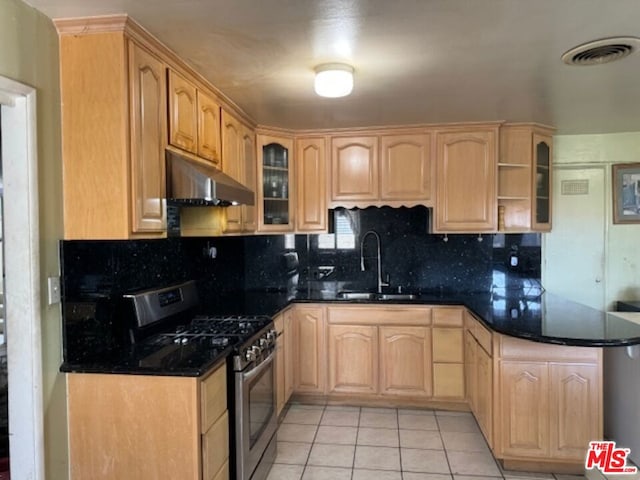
334,80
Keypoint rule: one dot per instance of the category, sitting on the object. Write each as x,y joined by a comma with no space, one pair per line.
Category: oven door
256,421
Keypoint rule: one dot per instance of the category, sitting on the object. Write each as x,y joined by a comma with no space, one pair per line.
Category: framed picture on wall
626,193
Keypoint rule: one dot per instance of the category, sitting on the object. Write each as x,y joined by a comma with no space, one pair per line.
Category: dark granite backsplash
412,258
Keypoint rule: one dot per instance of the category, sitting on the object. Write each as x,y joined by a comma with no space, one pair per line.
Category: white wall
622,242
29,54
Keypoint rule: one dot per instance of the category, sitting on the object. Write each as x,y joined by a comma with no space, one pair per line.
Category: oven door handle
254,372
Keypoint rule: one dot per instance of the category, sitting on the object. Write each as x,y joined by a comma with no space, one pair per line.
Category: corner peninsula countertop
533,315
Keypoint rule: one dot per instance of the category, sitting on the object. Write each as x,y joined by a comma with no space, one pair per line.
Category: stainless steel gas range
251,367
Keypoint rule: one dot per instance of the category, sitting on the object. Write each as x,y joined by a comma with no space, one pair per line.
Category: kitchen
568,148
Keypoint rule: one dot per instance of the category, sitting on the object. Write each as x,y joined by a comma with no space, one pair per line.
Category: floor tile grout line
313,441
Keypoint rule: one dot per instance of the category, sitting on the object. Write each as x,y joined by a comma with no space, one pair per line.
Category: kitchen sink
375,296
396,296
357,295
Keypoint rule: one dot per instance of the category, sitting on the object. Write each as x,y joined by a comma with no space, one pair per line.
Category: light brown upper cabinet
183,113
209,143
194,119
275,181
113,136
387,169
466,170
405,170
238,148
311,185
354,170
524,178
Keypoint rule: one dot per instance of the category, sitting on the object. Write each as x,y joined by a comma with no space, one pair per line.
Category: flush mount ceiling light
601,51
333,80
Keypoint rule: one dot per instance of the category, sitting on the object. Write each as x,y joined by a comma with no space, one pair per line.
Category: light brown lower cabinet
353,359
538,405
148,427
549,401
309,350
405,356
284,363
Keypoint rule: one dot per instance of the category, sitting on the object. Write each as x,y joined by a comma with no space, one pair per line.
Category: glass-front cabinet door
275,184
541,204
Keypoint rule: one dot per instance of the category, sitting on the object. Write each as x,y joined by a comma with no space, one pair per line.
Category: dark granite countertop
190,360
528,314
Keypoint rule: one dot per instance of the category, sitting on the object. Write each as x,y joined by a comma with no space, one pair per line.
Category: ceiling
416,61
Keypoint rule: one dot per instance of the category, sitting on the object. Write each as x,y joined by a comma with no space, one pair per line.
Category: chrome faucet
378,255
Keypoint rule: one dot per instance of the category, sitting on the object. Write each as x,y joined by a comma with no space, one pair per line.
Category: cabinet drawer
213,397
448,345
448,380
215,447
380,315
448,316
517,348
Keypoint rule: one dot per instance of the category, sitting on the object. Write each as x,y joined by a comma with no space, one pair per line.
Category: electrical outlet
53,284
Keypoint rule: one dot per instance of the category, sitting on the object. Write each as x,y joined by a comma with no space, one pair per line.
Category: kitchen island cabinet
148,427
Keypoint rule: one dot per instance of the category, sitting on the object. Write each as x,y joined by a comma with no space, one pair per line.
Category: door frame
22,279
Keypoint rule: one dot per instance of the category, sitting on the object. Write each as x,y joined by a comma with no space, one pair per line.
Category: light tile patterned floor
353,443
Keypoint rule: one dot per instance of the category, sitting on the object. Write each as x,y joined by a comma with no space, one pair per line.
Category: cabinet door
405,361
541,188
208,128
232,150
405,167
354,169
484,397
466,170
471,371
353,359
309,364
183,113
280,363
275,182
448,380
148,137
289,349
249,167
575,399
311,215
524,409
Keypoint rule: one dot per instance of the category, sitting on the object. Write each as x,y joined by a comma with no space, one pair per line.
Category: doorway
579,206
22,310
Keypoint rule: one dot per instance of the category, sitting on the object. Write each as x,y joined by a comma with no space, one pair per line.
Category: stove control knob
264,342
272,334
249,355
256,350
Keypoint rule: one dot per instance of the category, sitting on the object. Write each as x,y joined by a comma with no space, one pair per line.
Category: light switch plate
53,284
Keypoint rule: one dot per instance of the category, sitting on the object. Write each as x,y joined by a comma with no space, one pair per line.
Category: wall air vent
575,187
601,51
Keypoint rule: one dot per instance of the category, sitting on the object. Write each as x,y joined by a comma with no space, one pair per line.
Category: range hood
190,182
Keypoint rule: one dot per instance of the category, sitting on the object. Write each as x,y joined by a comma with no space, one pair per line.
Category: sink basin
357,295
375,296
396,296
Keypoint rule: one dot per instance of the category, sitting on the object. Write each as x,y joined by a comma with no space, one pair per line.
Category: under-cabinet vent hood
189,182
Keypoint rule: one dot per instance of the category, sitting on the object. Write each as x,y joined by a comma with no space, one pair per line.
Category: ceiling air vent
601,51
